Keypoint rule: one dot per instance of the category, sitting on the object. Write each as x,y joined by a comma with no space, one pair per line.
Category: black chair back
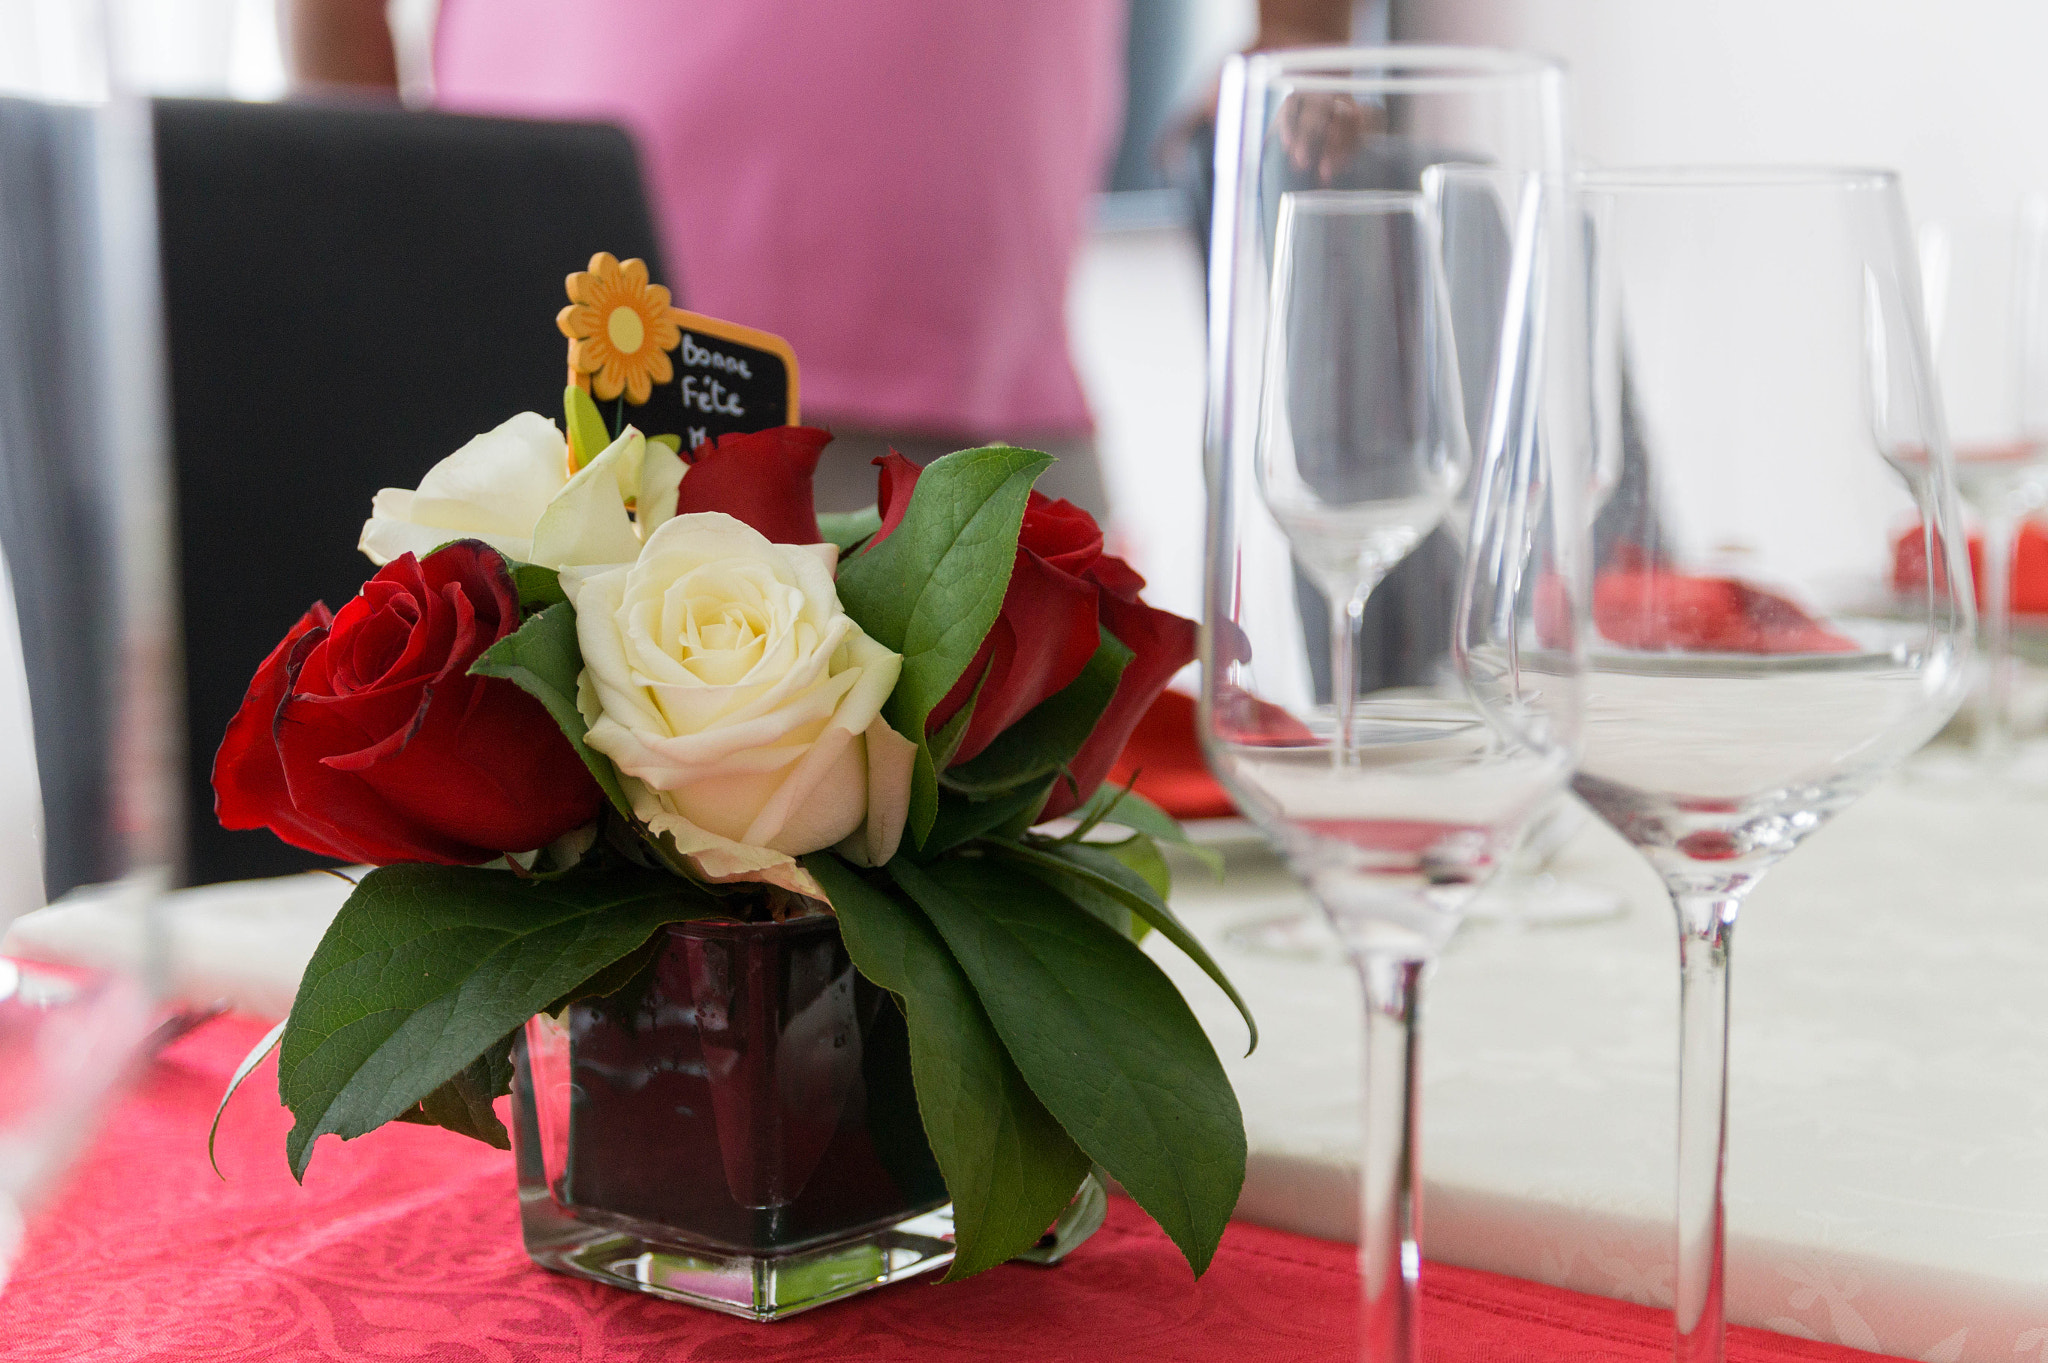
350,293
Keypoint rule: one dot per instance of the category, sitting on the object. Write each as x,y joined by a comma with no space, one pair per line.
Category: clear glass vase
736,1129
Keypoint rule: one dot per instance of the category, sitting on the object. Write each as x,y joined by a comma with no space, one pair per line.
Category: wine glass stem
1390,1223
1994,718
1706,925
1347,611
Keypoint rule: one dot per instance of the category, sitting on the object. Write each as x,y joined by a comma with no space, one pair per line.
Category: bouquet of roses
597,687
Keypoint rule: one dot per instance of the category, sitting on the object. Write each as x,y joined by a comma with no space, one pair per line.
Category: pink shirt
898,187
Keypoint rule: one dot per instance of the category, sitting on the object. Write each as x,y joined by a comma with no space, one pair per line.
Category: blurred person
898,187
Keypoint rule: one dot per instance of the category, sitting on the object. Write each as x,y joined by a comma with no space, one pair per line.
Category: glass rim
1682,178
1357,201
1399,66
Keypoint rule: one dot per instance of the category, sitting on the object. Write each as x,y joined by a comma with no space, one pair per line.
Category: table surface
1888,1169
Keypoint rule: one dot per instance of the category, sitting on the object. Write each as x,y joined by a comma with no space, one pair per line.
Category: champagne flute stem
1390,1220
1994,715
1347,611
1706,926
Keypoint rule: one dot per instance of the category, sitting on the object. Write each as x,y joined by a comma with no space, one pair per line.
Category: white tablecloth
1888,1166
1888,1175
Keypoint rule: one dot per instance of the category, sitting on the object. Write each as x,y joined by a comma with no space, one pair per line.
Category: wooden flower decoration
620,329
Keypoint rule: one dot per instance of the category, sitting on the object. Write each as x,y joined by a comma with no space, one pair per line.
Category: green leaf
538,587
1103,1038
673,442
1133,811
962,819
1010,1167
463,1104
1047,739
242,1071
541,657
588,434
1141,855
931,590
942,745
1082,1218
613,979
1109,907
426,967
1100,869
848,528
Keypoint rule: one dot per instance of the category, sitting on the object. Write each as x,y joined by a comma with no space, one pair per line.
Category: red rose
1062,588
363,736
761,477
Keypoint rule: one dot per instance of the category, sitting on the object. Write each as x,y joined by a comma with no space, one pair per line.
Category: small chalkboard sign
728,378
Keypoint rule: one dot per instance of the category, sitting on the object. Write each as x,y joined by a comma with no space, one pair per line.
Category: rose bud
363,737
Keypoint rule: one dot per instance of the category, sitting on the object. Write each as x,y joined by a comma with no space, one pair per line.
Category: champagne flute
1766,398
1392,764
1361,444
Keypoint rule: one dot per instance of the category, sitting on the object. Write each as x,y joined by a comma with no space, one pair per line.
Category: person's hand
1319,131
338,44
1323,131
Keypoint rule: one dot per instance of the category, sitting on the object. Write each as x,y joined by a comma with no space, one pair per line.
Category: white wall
53,48
1952,93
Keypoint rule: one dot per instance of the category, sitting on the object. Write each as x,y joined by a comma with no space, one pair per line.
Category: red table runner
405,1245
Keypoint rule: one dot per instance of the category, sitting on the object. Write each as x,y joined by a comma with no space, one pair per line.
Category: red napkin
1166,758
2029,566
1649,608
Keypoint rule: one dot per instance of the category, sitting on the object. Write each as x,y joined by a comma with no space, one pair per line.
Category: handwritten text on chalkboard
728,379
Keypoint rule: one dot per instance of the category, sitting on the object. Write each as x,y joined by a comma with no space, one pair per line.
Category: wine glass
1361,444
2001,464
1393,761
1767,418
89,728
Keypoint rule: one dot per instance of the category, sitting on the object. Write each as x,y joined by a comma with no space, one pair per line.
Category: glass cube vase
736,1129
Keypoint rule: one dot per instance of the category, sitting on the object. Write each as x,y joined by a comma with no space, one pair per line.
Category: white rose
741,703
511,488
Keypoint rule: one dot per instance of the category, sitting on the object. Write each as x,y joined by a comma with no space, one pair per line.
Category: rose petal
497,484
1061,533
891,758
249,788
895,483
719,859
1164,643
819,802
762,477
1040,642
587,522
661,475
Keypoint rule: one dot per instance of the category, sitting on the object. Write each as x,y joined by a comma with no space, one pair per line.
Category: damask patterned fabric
405,1245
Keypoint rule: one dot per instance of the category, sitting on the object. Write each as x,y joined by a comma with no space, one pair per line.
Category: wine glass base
1544,901
1964,773
1293,936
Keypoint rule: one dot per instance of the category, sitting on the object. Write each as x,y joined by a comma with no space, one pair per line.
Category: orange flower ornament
620,329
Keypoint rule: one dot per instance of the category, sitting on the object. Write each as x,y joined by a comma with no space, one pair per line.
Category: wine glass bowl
1362,438
1765,392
